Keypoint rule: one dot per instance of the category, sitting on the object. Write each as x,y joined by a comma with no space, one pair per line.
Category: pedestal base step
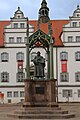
41,113
42,116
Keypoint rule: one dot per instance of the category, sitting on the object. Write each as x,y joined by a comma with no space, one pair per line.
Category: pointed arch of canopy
39,39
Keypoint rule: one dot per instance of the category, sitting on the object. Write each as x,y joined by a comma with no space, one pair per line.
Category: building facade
66,56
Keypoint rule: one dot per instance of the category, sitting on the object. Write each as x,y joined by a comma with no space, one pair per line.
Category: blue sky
59,9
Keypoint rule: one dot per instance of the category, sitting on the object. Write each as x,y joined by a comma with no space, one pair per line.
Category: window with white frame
15,93
77,38
20,56
67,93
64,77
11,39
77,76
74,24
21,93
15,25
19,39
77,56
9,94
78,92
4,77
33,54
70,38
22,25
64,55
4,57
20,77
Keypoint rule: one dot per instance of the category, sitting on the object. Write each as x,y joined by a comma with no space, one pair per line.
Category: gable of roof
57,26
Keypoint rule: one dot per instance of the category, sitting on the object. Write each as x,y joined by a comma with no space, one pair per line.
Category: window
20,77
15,25
64,77
4,77
11,39
67,93
9,94
70,38
78,93
46,12
20,56
43,12
74,24
25,39
21,93
77,56
4,57
19,39
77,38
15,93
63,55
9,100
77,76
21,25
33,54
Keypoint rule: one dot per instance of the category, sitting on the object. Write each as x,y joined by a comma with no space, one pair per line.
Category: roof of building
56,27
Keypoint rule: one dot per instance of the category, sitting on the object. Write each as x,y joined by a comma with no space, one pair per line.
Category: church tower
44,12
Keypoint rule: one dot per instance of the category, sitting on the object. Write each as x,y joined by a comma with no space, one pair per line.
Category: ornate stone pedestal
40,102
40,93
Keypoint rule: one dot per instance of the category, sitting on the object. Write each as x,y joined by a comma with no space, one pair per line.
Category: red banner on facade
64,66
20,64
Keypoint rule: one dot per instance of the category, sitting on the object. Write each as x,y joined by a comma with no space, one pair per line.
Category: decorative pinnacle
27,32
44,2
18,8
77,6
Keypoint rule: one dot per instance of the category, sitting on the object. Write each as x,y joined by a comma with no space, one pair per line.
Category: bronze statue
39,63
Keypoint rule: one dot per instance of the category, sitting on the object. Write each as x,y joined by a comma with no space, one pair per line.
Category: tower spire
44,12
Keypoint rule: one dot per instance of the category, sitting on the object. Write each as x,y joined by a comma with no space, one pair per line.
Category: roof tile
57,26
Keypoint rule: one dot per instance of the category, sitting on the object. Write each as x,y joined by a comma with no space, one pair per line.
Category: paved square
71,107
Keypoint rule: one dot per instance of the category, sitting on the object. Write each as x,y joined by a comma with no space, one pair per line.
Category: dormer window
74,24
70,38
21,25
19,39
15,25
11,39
77,38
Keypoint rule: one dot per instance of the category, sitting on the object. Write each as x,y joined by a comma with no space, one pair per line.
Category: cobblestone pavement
71,107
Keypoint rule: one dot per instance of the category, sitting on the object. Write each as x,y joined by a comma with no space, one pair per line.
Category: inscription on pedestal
39,90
